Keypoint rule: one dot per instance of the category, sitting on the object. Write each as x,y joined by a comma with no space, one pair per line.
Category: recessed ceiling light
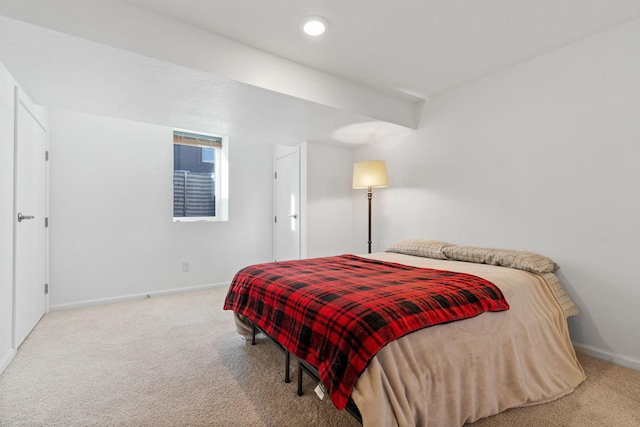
314,25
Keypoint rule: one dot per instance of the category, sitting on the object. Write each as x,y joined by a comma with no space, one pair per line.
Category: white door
287,207
30,234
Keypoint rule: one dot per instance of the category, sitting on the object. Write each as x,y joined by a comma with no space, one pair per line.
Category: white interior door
30,233
287,207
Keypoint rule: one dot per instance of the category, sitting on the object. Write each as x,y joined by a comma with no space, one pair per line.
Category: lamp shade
372,173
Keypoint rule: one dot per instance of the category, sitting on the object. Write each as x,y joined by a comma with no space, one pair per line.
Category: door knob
294,216
21,217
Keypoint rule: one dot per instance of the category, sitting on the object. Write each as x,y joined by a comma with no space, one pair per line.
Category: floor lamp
369,174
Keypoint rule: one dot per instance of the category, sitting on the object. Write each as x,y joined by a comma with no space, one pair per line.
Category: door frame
37,113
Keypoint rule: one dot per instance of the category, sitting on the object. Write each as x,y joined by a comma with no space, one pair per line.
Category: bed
460,371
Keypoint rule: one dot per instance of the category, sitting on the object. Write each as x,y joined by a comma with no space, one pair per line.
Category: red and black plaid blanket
338,312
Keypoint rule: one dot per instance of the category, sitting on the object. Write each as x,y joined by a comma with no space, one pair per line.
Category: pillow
522,260
419,247
561,295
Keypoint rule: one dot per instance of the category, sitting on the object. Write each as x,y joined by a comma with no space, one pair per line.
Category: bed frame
303,366
287,355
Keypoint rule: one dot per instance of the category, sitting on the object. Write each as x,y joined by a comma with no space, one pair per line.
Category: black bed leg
253,334
287,372
299,378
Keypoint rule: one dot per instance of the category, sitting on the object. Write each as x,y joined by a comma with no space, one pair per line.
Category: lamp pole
369,197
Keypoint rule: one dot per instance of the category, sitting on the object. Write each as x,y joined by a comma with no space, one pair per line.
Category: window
199,176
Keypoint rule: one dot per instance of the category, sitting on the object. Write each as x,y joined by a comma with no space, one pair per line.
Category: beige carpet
177,361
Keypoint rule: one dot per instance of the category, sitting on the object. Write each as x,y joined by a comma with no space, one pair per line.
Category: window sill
196,219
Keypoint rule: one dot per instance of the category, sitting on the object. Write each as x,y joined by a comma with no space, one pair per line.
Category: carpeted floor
177,361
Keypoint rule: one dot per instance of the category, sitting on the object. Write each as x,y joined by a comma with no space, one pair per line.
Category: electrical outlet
186,266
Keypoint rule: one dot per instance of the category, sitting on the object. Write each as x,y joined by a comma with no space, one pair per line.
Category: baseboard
129,297
6,359
608,356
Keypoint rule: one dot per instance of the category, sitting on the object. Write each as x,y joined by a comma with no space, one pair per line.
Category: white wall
542,156
328,203
6,215
111,227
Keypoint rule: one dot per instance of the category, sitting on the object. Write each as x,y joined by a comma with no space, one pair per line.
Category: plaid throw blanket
338,312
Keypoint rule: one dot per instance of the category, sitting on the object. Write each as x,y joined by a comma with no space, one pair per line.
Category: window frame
221,174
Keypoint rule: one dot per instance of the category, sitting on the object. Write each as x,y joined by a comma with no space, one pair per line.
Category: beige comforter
448,375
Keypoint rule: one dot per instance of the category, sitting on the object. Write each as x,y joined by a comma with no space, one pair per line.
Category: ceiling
62,71
150,60
421,47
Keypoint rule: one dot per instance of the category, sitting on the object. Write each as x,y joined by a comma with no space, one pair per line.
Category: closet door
287,206
30,211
